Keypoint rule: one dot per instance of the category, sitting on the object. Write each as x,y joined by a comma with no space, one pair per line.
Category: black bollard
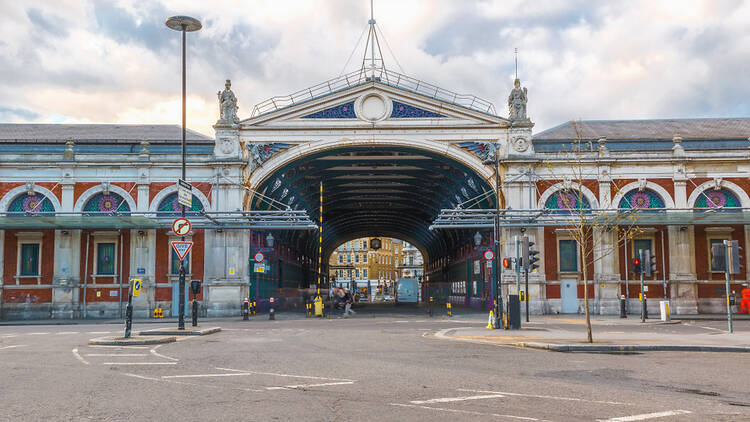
195,312
623,314
271,312
245,310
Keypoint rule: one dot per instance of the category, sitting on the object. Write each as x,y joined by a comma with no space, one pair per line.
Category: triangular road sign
182,249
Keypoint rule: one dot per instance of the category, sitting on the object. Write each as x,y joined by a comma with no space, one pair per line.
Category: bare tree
597,232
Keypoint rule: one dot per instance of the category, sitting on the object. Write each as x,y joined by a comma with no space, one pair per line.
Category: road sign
489,255
260,268
182,249
181,226
184,193
136,287
259,257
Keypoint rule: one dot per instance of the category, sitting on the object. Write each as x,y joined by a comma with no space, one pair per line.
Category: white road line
468,412
118,347
139,363
13,347
310,385
647,416
284,375
155,353
206,375
543,397
98,332
116,354
75,353
452,399
142,377
36,334
66,332
193,384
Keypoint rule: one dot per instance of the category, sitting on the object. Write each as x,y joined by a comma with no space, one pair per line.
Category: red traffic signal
506,262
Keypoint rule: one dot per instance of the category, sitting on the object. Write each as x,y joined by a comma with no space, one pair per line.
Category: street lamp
477,239
183,24
269,240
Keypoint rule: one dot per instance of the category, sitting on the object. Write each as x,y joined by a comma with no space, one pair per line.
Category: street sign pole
129,310
727,251
643,299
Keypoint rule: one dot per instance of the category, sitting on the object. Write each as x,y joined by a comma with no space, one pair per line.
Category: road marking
543,397
98,332
37,334
193,384
118,347
116,354
66,332
142,377
647,416
452,399
284,375
155,353
12,347
205,375
139,363
310,385
469,412
75,353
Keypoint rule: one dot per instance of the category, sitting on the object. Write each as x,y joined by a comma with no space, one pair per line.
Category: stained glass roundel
641,200
564,200
111,203
32,204
722,198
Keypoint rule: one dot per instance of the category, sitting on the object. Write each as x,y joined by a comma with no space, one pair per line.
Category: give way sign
182,248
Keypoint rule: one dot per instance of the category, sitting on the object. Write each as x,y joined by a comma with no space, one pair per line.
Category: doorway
569,296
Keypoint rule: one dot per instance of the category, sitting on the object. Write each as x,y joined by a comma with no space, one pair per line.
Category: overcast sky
71,61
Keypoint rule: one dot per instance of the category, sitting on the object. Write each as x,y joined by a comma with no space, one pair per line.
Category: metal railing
384,76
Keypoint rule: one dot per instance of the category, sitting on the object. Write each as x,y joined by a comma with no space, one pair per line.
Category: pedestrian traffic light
735,257
636,266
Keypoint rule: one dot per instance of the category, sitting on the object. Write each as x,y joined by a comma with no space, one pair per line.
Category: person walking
348,300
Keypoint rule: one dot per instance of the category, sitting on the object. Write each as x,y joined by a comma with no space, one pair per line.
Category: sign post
134,288
184,193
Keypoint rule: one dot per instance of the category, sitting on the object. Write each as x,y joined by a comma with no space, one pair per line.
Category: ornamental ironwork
341,111
401,111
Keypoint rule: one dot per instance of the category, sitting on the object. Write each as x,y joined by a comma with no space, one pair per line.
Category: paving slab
132,341
193,331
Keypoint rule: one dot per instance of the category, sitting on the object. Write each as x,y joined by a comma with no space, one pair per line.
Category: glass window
105,258
175,263
644,244
29,259
348,273
356,273
364,258
341,259
364,273
356,258
349,259
568,256
722,265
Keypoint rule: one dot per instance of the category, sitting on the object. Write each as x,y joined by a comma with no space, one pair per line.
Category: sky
114,61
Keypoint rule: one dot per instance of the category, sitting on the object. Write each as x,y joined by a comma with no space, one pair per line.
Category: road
384,366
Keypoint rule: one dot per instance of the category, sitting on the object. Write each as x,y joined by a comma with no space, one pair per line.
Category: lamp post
183,24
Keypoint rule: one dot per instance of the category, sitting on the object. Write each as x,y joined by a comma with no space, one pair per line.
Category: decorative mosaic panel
111,202
641,200
722,198
170,206
342,111
401,110
33,204
566,200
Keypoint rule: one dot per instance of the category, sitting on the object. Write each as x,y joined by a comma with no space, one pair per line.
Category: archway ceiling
376,191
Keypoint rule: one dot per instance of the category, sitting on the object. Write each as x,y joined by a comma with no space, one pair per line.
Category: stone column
606,254
682,275
65,294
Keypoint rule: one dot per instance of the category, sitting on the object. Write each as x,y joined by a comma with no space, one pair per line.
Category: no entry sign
259,257
489,255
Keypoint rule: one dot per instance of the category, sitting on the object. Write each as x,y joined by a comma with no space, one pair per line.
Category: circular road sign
259,257
181,226
488,254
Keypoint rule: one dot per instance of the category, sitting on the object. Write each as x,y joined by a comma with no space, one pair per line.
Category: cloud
115,61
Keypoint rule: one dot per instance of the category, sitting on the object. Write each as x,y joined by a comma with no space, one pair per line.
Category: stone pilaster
682,275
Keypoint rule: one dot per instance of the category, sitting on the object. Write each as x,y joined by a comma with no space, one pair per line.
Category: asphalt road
382,366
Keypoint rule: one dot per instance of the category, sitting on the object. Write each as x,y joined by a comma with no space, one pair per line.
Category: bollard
429,309
448,309
622,307
645,306
195,312
271,313
255,307
245,310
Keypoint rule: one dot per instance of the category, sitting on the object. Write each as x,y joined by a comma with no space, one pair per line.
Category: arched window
109,204
566,200
641,200
35,203
170,206
712,198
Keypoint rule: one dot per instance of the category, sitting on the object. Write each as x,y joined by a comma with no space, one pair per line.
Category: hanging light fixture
477,239
269,240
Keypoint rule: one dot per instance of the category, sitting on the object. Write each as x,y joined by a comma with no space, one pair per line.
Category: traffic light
734,257
648,262
530,257
718,256
506,263
636,266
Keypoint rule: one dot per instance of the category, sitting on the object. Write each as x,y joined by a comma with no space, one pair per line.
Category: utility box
664,309
514,312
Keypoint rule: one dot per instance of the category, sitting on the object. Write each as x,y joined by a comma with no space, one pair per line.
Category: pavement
380,364
610,334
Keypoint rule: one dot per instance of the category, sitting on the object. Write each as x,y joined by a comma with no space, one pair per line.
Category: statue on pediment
228,105
517,101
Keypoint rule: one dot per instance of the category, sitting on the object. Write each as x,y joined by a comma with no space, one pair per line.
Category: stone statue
228,105
517,101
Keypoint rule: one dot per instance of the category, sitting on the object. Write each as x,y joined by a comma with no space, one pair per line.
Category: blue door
569,295
176,300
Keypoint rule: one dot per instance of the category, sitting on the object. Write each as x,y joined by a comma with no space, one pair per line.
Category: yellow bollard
449,309
318,307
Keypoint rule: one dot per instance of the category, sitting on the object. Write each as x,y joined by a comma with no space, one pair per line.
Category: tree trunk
586,300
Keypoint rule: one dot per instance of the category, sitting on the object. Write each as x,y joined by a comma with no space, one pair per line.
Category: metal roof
94,133
718,128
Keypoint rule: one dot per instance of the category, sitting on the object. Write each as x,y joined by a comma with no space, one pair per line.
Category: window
348,273
364,273
356,258
105,258
29,265
356,273
568,255
644,244
341,259
364,258
722,266
349,259
174,267
364,244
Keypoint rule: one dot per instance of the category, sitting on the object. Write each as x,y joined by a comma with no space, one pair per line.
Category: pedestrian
348,300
